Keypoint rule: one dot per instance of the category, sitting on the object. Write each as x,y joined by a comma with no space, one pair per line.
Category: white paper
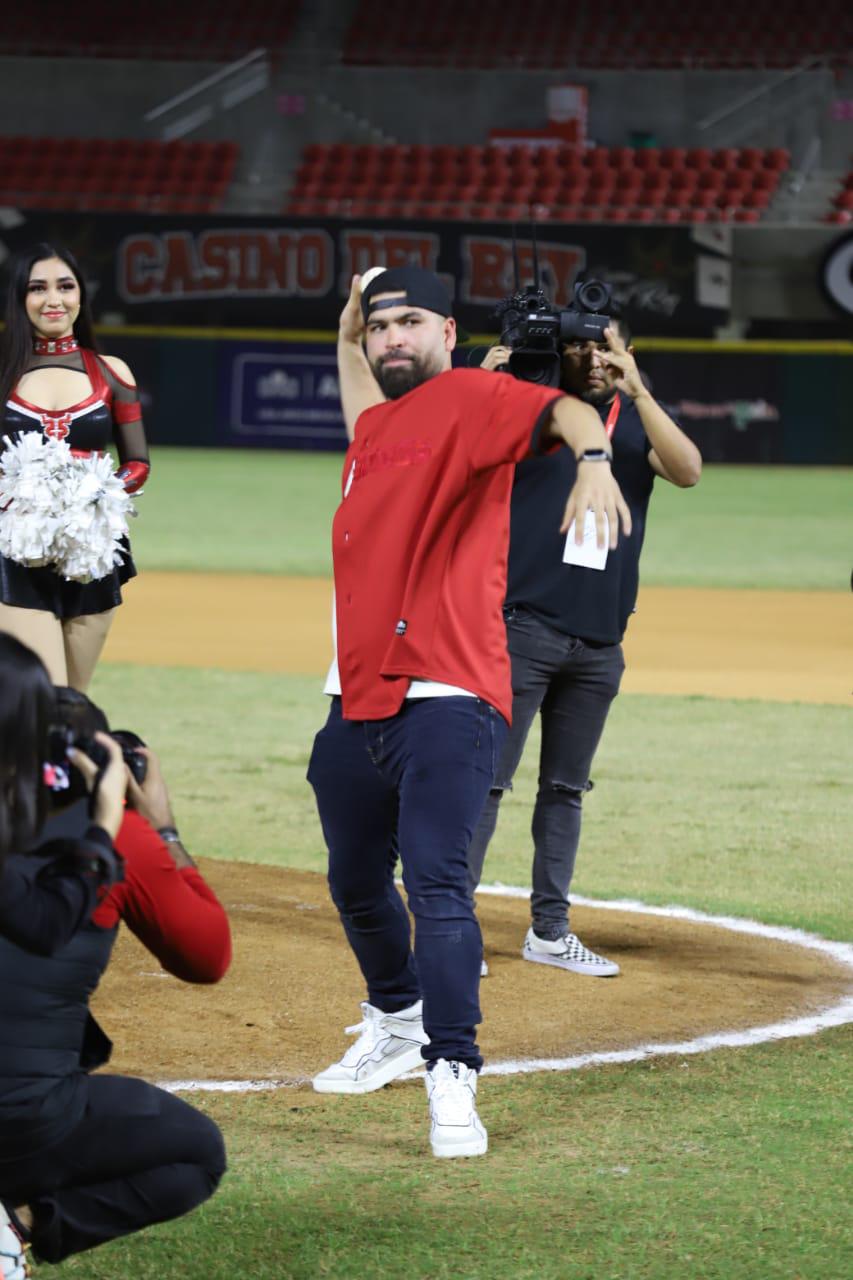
588,554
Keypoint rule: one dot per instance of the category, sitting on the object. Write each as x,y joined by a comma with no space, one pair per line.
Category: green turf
249,511
729,806
731,1166
243,511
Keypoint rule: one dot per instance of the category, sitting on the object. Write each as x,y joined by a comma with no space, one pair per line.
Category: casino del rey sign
295,273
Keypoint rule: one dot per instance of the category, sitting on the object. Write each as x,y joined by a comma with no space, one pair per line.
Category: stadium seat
117,174
456,34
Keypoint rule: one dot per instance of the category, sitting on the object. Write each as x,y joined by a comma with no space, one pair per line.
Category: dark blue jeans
571,684
413,785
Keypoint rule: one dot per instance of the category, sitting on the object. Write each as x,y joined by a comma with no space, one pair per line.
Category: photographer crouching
87,1158
566,616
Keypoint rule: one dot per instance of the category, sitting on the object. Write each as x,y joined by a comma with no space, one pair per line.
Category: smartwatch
595,455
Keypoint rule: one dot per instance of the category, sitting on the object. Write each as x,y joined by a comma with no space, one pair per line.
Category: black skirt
48,591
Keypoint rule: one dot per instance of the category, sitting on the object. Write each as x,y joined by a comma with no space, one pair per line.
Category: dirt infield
778,645
680,980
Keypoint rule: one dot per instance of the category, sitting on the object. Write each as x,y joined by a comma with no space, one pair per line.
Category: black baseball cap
416,287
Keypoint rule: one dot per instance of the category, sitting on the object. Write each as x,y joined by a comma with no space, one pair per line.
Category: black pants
572,686
139,1156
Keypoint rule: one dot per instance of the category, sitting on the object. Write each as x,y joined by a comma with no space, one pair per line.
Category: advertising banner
294,273
753,406
281,397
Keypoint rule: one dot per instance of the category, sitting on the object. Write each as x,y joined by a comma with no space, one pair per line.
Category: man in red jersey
421,691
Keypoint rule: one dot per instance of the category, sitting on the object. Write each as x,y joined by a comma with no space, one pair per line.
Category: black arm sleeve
129,436
131,444
42,912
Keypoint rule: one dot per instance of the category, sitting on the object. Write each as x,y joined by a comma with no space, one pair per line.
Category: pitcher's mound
281,1010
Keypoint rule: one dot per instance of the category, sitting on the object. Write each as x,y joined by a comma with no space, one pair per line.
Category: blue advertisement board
287,398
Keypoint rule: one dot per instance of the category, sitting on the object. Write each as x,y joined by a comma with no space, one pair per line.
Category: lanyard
610,424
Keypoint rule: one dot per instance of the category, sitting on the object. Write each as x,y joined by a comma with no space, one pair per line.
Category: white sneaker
484,969
388,1045
455,1127
13,1261
568,953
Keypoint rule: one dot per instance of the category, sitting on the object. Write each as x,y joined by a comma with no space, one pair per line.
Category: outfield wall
771,402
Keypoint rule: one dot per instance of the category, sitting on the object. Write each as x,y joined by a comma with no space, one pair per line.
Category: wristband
169,834
595,455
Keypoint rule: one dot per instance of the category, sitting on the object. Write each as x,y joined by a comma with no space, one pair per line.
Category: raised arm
674,456
359,388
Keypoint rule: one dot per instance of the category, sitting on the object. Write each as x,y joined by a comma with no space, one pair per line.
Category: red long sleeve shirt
420,539
172,910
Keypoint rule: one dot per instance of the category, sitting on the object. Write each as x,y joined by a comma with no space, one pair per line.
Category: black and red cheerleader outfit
110,413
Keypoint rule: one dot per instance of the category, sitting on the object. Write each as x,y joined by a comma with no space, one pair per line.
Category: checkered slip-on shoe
569,953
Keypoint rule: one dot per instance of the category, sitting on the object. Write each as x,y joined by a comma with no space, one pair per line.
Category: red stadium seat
751,157
698,158
777,158
673,157
725,158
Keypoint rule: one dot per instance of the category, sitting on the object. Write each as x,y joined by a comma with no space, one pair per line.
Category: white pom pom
56,509
370,274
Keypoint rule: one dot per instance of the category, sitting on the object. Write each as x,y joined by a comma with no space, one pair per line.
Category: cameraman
565,625
43,902
85,1159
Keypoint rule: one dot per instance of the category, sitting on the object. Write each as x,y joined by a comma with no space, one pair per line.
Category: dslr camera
76,721
536,331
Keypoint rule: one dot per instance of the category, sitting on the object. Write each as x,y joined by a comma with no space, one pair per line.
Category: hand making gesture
621,359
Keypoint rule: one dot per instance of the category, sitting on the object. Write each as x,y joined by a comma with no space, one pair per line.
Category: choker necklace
55,346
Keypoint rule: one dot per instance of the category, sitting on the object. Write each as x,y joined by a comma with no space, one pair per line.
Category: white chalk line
834,1015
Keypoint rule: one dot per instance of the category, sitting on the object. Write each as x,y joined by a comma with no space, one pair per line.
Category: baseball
370,274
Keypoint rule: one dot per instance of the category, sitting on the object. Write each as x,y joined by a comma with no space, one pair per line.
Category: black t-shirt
594,604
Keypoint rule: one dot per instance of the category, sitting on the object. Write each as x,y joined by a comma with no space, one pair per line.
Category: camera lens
593,295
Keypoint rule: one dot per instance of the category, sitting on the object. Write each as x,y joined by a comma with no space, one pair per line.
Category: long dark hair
27,703
16,343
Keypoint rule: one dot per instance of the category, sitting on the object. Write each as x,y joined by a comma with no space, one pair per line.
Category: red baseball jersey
420,539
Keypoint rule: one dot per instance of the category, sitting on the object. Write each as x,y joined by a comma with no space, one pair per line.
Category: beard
397,381
598,395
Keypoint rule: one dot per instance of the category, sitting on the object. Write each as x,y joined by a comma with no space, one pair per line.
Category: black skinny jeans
138,1156
571,684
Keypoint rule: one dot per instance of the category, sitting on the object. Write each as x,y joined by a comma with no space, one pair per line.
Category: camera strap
612,417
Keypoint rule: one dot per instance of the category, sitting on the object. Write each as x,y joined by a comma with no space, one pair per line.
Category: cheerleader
52,380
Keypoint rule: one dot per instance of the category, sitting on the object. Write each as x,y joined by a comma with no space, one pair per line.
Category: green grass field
729,1165
762,527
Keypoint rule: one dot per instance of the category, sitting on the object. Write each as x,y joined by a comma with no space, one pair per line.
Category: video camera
76,721
536,331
